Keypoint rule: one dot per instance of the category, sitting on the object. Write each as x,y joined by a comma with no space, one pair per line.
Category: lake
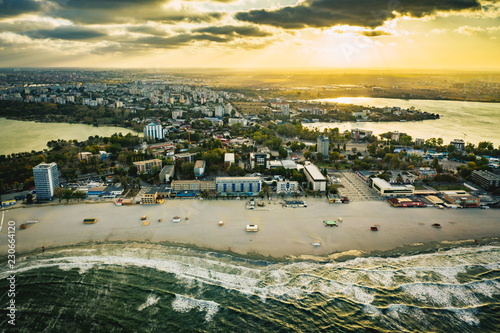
24,136
475,121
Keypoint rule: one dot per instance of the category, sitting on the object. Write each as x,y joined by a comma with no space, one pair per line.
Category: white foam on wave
185,304
441,295
357,279
151,300
466,316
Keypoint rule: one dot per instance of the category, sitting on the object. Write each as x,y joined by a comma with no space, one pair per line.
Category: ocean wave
185,304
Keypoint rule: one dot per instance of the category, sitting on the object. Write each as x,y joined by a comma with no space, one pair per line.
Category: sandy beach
283,232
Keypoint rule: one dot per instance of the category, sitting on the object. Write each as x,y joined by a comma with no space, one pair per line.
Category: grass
450,187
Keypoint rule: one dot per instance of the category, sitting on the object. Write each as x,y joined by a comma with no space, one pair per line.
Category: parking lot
354,188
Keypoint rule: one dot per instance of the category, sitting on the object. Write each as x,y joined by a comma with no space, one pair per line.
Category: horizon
251,34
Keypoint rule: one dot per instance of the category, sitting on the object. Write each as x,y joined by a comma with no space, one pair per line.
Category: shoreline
284,233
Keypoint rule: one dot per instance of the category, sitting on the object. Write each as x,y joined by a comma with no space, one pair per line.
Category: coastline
284,233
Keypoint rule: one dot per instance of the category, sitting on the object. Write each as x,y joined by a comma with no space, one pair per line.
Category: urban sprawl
204,142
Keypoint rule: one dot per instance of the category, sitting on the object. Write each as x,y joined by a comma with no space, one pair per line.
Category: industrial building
46,177
386,189
315,177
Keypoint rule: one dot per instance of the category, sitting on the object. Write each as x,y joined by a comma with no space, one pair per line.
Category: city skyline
250,33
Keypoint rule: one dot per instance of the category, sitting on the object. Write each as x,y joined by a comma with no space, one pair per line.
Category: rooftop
314,172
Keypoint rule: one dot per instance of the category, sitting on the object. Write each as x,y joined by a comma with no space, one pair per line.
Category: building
259,160
228,159
287,187
241,121
424,173
199,168
315,177
461,199
459,144
386,189
395,136
84,156
167,173
46,180
147,166
485,178
419,142
150,196
238,185
193,185
154,131
323,145
358,134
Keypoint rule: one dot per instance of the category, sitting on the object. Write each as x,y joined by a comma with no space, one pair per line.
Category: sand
283,232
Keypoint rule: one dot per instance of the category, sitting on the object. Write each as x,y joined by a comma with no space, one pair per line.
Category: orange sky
250,33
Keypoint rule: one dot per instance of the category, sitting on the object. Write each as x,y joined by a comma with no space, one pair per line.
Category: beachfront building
199,168
147,166
238,185
386,189
167,173
259,160
323,145
462,199
46,177
193,185
287,187
485,178
150,196
154,131
315,177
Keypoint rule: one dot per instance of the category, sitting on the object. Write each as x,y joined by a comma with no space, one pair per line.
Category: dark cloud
127,11
65,33
368,13
10,8
147,29
178,40
375,33
231,30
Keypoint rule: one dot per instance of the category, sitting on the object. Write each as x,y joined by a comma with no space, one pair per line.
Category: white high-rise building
154,131
46,177
323,145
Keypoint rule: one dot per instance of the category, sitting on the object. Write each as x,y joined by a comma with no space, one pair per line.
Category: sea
143,287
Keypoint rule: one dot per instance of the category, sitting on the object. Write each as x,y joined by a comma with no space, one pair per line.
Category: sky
453,34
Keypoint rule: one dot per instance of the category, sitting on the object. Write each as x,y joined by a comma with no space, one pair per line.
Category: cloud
231,30
375,33
368,13
65,33
9,8
471,30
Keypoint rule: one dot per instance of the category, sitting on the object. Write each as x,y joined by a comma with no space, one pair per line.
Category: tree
132,171
283,153
334,156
